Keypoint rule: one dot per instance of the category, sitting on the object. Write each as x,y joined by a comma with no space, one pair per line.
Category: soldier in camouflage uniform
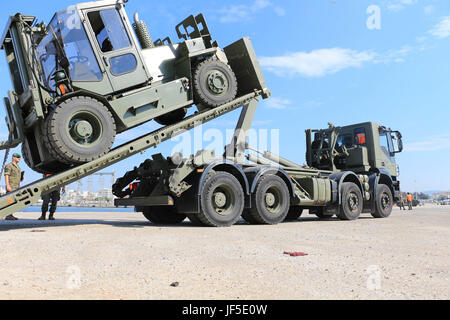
52,198
13,178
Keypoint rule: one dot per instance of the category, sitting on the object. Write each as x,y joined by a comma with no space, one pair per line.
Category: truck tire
222,200
162,215
215,84
80,130
50,168
319,213
352,202
294,213
271,202
172,117
383,202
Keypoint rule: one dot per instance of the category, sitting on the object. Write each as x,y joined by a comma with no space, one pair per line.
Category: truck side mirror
399,142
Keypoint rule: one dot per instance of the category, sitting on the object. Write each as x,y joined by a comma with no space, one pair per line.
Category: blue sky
323,64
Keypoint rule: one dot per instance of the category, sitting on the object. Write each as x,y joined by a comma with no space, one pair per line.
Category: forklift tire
384,202
172,117
294,213
215,84
270,204
162,215
352,202
222,200
79,130
53,167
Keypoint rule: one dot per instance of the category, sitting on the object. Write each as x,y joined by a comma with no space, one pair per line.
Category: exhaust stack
142,33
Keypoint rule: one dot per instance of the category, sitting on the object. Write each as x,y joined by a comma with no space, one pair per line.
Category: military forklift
90,74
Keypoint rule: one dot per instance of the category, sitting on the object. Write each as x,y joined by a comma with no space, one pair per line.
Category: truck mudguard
225,166
254,175
381,176
346,176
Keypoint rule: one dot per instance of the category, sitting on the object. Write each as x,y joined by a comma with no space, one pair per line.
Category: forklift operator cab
99,47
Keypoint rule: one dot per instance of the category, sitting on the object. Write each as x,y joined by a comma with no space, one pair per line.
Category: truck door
387,155
116,47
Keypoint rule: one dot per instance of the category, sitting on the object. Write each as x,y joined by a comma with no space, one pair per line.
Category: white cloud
442,29
278,103
316,63
434,143
398,5
242,12
323,62
395,56
313,104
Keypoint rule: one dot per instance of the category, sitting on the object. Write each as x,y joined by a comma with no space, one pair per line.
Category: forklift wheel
80,130
162,215
215,84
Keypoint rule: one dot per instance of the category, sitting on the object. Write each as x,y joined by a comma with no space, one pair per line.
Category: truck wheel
162,215
172,117
222,200
50,168
384,202
319,213
294,213
352,202
80,130
271,202
215,84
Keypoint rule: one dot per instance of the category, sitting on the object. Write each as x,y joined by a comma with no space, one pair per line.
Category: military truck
351,170
90,74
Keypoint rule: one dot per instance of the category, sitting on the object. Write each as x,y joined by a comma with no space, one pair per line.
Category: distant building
105,194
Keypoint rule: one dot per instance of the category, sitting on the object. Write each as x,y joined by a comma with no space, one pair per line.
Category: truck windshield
72,35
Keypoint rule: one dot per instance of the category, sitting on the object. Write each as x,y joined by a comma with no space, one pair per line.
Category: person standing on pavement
13,177
409,199
52,197
401,202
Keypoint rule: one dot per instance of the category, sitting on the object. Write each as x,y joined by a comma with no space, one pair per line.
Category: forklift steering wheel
77,59
81,59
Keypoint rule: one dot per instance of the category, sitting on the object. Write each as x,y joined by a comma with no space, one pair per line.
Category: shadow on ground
32,224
